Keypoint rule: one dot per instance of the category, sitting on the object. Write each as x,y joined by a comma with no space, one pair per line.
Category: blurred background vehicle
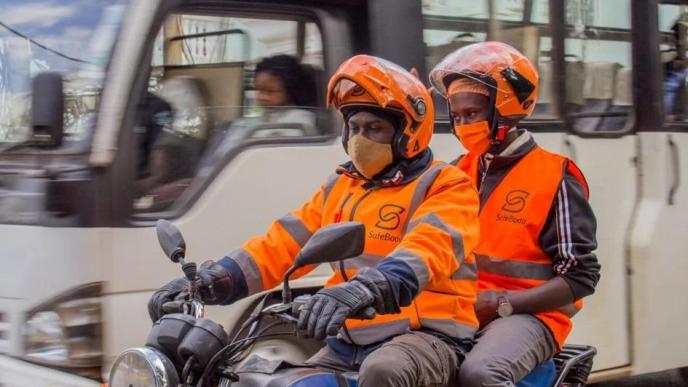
156,116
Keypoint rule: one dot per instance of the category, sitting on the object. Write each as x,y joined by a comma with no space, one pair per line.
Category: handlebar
232,352
288,312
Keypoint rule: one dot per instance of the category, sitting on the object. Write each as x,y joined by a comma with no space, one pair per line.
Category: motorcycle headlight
139,367
65,332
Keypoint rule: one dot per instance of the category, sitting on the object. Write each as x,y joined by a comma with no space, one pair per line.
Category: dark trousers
507,349
412,359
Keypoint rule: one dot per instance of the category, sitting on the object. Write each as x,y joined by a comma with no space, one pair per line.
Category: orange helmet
365,80
511,77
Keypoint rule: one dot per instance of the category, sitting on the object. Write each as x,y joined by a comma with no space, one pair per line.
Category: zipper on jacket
342,269
484,174
338,214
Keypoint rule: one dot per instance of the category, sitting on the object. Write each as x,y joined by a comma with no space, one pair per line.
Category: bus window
449,26
673,27
216,84
598,65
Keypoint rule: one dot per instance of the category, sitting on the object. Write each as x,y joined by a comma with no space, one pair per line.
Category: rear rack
574,364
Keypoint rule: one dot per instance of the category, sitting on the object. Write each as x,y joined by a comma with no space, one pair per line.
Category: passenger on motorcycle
537,231
417,270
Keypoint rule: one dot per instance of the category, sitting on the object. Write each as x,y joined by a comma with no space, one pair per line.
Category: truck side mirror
47,110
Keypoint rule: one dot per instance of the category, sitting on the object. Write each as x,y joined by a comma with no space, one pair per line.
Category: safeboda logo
389,216
515,201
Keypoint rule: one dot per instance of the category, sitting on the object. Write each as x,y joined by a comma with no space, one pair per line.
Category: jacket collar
400,173
510,155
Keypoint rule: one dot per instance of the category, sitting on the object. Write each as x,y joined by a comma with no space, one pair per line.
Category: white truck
77,244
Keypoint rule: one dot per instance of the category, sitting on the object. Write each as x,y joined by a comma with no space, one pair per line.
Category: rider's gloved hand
215,284
215,287
165,294
327,310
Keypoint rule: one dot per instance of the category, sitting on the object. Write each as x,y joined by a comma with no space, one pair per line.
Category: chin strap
502,130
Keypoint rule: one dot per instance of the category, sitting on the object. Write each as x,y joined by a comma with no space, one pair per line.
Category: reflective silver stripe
511,268
417,265
295,228
329,184
451,328
363,261
369,334
456,237
254,281
467,271
421,190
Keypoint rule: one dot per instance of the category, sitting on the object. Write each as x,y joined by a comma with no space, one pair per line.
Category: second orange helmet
509,74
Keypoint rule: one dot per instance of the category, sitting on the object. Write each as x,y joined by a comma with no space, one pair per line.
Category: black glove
385,300
165,294
215,287
327,310
215,284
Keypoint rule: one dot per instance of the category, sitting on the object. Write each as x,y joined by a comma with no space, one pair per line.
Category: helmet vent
523,88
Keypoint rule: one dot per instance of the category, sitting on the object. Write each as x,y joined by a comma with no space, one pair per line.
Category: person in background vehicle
173,128
286,92
675,68
421,219
535,257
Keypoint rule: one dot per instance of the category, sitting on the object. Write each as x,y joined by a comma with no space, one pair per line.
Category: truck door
215,150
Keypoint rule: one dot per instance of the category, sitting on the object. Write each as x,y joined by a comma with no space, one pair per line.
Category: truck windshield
72,37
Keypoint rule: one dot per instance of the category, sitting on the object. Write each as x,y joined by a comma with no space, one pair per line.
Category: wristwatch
504,307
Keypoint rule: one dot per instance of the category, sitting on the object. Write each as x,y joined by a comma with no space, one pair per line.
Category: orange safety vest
509,255
431,224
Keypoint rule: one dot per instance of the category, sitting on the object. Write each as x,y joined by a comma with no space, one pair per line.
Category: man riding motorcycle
417,270
535,257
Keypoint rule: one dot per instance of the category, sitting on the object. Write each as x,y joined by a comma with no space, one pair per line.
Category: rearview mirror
333,243
47,110
329,244
171,240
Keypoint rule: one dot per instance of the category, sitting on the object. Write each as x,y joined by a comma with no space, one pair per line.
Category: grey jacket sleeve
569,238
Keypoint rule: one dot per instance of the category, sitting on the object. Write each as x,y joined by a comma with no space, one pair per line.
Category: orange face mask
475,137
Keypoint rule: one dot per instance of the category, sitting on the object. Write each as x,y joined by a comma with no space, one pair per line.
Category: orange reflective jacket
509,255
429,225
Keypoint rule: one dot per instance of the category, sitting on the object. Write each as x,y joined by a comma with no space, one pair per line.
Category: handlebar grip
298,303
172,307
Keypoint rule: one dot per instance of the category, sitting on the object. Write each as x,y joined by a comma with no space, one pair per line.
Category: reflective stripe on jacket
509,255
426,230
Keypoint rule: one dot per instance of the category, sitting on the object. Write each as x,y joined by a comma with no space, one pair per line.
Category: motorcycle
184,349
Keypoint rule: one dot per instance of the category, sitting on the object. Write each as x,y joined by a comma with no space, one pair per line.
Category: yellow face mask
475,137
369,157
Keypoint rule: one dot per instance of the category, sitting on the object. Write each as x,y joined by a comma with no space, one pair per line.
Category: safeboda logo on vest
389,218
514,203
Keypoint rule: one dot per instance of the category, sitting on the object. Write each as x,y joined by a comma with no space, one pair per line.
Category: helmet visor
347,92
480,62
